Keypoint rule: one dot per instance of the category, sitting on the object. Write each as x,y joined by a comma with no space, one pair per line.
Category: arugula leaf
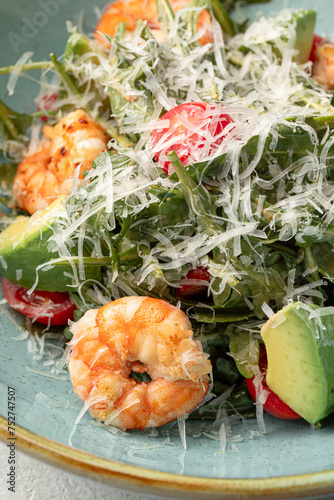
14,125
244,349
225,21
196,196
7,174
78,45
130,102
293,141
323,254
166,14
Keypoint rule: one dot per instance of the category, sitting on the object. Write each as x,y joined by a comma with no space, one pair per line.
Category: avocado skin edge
24,246
34,253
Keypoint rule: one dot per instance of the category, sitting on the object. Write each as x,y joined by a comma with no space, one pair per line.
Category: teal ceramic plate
290,460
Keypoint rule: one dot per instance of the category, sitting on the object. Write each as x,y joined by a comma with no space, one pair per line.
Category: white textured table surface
38,481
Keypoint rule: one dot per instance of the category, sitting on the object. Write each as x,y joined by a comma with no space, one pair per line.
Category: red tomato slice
192,126
273,405
201,274
317,40
54,308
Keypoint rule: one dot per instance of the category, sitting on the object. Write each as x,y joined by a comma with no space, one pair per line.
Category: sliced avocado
24,246
305,24
299,342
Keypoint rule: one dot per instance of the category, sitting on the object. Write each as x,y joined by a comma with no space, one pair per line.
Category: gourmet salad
171,204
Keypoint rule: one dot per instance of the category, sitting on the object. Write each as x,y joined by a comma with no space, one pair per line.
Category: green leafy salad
214,193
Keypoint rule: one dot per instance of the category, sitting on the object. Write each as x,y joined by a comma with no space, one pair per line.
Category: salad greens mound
256,213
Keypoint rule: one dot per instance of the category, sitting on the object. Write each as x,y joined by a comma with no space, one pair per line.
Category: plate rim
141,480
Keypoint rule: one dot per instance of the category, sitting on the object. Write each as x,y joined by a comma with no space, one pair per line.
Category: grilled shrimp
137,334
131,11
323,66
43,176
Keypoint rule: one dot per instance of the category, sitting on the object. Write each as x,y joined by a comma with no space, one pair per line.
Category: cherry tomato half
201,274
54,308
192,126
273,405
46,104
317,40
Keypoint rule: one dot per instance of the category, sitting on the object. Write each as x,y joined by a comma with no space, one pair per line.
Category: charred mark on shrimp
47,174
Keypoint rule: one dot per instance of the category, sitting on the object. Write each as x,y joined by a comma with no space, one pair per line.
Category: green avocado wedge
24,246
299,341
305,24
